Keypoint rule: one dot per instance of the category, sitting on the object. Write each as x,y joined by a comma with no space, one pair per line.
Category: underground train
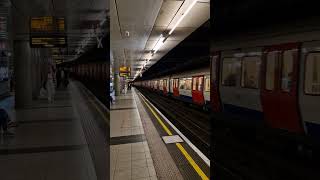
271,79
94,72
94,75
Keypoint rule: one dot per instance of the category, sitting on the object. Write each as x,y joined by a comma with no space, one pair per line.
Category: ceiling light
183,15
127,33
159,44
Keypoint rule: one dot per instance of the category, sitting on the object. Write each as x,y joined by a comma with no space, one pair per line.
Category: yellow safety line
180,147
158,118
97,108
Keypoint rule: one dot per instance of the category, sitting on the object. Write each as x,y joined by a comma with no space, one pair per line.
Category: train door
171,86
161,85
279,90
176,87
214,87
165,87
206,89
309,88
197,90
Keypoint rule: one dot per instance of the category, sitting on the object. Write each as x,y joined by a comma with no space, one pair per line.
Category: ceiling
136,27
80,15
191,53
239,17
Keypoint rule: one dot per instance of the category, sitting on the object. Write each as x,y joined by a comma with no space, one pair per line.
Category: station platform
144,144
52,141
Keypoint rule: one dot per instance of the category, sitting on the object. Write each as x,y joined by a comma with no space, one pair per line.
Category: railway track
193,123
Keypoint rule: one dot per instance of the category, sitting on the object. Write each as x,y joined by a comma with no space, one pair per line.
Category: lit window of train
287,71
312,74
176,83
207,84
165,84
250,72
230,71
188,83
200,83
182,83
194,83
271,64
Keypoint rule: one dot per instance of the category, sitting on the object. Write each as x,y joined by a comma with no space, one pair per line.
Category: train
273,79
95,76
94,71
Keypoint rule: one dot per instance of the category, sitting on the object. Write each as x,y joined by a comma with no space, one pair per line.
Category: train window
188,83
207,84
182,83
312,74
176,83
164,83
230,71
271,65
172,83
287,71
200,84
250,72
194,83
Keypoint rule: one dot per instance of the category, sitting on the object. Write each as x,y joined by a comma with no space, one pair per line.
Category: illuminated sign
47,32
125,71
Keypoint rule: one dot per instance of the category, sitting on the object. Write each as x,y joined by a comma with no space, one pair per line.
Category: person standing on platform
66,77
50,85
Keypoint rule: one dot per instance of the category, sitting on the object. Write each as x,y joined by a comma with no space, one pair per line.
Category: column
22,68
117,83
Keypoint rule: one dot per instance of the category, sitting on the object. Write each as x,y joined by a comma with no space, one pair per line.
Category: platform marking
172,139
180,147
97,108
200,154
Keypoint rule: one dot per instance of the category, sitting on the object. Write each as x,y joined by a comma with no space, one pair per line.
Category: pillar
22,68
116,84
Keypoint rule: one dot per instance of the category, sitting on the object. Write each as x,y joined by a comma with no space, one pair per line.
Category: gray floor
49,142
130,156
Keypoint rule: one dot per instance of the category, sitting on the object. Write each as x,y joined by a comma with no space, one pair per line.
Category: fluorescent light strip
160,43
184,14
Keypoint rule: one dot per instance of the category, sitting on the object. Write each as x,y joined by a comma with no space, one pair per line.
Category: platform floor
137,148
130,154
49,142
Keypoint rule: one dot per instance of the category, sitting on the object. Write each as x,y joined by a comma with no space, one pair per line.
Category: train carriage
257,82
309,88
240,83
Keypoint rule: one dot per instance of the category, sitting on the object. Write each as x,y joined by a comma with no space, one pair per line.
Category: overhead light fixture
159,44
183,15
127,33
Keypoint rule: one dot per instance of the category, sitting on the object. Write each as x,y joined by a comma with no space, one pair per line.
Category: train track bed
192,122
256,152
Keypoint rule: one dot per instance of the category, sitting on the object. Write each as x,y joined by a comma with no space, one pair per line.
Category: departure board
124,71
48,31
